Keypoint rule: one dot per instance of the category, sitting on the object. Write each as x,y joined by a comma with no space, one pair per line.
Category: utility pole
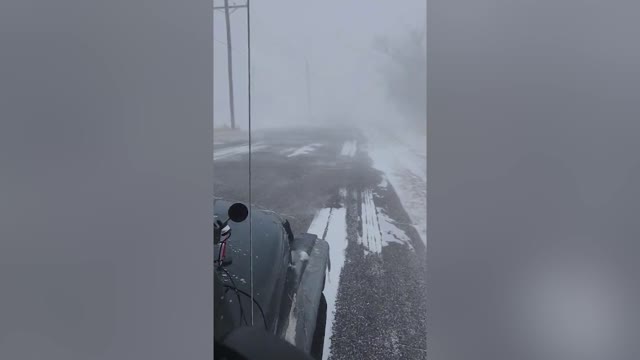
306,66
226,8
229,64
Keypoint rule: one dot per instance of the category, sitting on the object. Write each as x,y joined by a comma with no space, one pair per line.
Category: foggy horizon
336,38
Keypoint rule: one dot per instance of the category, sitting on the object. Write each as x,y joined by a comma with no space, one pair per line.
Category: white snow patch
236,150
304,256
304,150
391,233
319,224
383,183
287,151
290,333
349,148
371,235
337,239
330,224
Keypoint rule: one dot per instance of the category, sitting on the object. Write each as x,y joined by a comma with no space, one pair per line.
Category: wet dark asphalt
381,301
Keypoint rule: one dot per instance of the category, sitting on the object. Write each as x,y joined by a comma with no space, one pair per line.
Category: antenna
249,119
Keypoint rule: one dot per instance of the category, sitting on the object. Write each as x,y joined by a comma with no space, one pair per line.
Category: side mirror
238,212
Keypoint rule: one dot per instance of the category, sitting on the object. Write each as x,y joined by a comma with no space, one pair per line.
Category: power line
291,48
232,48
230,7
261,51
250,175
231,10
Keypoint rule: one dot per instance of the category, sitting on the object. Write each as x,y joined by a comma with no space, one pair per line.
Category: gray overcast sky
335,36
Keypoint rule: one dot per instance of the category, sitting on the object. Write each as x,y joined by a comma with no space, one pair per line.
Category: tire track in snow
330,224
380,312
290,333
336,236
378,229
320,223
371,234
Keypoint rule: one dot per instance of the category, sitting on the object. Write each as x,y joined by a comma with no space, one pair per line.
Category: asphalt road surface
323,181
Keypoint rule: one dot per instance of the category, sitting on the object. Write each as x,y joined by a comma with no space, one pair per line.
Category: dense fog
366,63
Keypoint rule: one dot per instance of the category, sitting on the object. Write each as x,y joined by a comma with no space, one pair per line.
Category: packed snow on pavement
403,161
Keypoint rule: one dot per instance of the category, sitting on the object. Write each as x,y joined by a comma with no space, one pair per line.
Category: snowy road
326,182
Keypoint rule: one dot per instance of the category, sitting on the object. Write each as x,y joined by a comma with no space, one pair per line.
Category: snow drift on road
349,148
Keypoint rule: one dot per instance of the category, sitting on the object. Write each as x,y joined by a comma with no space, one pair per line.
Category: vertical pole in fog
229,64
306,63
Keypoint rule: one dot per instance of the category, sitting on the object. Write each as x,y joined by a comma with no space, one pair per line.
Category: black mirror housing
238,212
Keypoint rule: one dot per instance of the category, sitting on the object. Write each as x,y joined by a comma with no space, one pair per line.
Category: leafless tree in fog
405,74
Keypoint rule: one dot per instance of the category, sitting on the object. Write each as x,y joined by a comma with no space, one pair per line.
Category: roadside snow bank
403,160
223,136
235,151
